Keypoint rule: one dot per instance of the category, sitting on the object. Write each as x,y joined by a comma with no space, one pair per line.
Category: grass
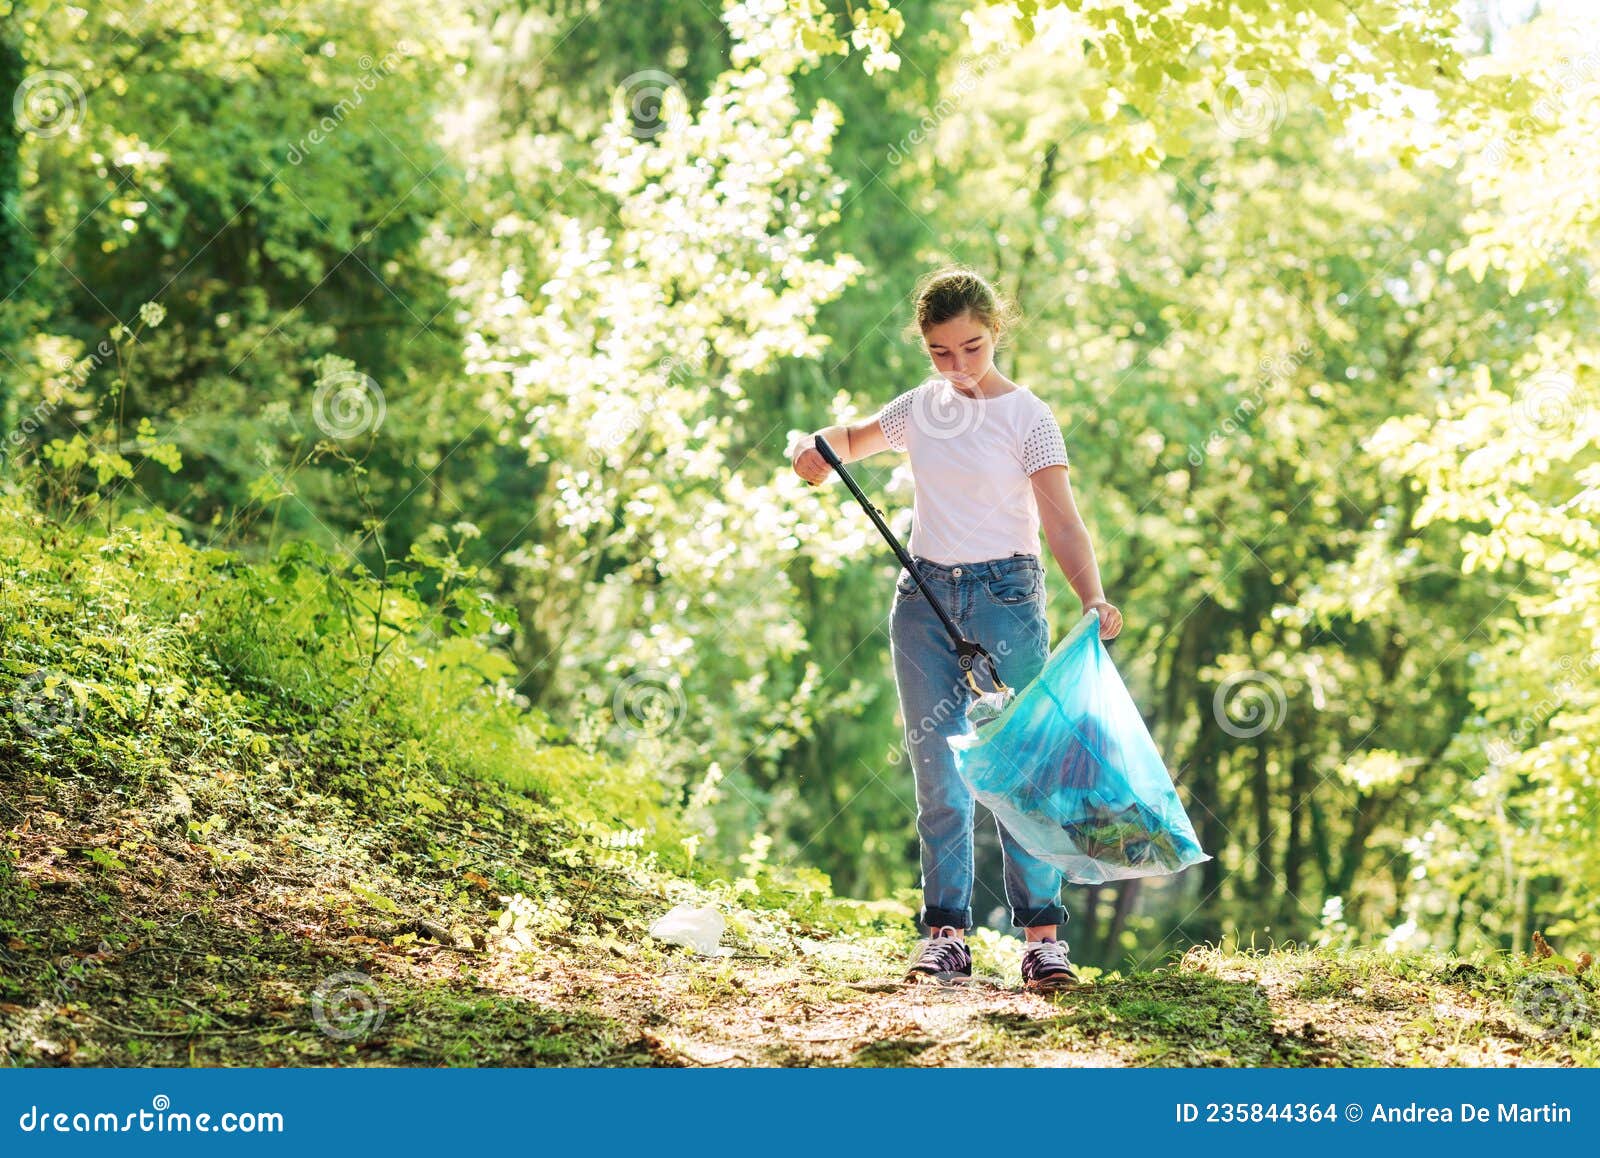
311,956
203,864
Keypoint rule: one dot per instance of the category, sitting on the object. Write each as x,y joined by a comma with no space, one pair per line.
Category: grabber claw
967,653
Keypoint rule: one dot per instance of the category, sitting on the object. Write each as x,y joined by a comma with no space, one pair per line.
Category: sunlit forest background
489,326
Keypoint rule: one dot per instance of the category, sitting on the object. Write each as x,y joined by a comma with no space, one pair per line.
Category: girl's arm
850,443
1070,544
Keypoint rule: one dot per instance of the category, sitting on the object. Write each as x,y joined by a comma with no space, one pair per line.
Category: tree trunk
1204,782
1321,844
1295,852
1091,916
1261,788
1041,200
1127,893
1368,812
15,254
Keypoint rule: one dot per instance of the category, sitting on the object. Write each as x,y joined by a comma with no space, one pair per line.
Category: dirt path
288,928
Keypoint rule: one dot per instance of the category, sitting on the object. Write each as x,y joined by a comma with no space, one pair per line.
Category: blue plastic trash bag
1071,771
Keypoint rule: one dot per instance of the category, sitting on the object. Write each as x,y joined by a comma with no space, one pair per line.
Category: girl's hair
955,290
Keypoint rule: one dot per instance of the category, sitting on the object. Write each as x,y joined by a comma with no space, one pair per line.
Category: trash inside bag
1071,771
989,706
698,928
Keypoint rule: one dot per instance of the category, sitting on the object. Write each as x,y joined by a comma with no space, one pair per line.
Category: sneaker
943,956
1045,966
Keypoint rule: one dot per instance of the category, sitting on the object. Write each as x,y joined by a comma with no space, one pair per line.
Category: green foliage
1513,157
613,345
16,258
422,405
203,165
128,653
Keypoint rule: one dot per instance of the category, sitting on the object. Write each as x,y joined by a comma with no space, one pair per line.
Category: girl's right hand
809,463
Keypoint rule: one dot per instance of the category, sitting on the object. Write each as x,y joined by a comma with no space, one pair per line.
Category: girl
989,467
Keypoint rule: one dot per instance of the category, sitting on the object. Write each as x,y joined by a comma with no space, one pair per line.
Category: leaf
376,900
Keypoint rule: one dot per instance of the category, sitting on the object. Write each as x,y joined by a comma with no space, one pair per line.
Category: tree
16,261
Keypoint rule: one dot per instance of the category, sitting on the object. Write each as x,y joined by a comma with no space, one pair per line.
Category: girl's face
962,349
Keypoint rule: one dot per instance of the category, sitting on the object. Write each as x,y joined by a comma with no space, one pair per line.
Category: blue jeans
999,604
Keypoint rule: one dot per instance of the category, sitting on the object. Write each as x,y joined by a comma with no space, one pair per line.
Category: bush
126,652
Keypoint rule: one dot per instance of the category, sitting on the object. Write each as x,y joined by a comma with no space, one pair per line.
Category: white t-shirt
971,459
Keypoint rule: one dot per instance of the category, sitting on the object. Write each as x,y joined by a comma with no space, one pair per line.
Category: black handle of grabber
967,652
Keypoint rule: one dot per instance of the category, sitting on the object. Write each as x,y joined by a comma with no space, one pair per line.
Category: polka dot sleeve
1043,445
895,417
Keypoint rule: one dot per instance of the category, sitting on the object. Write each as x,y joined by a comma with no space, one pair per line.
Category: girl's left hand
1110,618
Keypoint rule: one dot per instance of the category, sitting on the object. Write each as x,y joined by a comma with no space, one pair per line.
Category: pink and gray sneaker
1045,967
942,957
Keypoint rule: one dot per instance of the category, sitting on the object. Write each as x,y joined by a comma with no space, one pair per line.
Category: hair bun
954,290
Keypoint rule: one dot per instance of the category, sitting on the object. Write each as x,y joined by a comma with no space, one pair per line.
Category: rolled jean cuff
1048,915
939,918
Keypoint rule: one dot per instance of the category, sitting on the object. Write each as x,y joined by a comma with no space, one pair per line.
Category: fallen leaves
58,1053
1548,957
